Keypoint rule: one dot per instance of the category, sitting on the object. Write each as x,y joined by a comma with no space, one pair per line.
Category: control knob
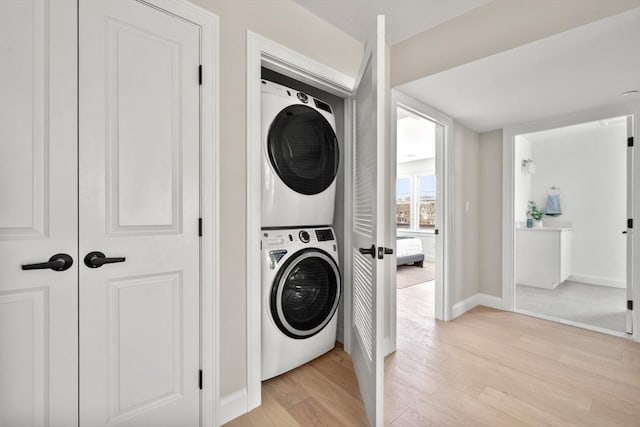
303,97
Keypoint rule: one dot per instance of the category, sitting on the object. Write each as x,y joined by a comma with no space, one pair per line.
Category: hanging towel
552,208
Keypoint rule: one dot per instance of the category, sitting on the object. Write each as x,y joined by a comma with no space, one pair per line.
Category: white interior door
630,230
139,204
38,213
368,225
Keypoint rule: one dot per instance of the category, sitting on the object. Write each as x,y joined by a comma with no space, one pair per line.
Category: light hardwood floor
487,367
323,392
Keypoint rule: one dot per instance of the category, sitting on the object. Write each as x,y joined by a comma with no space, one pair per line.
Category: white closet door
367,224
139,200
630,231
38,213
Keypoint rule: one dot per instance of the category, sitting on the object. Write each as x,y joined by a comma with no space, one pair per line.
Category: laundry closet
306,216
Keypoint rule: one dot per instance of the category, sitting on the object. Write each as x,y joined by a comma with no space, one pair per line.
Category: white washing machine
300,292
300,158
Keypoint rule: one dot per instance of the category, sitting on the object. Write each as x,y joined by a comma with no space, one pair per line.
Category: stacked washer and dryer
301,282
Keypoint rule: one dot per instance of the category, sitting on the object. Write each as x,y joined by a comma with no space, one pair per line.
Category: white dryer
300,292
300,158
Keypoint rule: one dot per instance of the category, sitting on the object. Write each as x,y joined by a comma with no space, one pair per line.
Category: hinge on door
200,74
200,227
200,379
630,305
436,231
630,223
630,141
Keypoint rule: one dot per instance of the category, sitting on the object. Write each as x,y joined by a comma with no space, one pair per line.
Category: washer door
303,149
305,293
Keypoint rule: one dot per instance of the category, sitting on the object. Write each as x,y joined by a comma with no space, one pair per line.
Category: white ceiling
590,128
404,18
583,68
416,138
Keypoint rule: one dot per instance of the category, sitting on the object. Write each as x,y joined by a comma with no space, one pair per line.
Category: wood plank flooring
323,392
488,367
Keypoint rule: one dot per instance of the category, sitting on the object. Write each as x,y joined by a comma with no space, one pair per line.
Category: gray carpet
410,275
600,306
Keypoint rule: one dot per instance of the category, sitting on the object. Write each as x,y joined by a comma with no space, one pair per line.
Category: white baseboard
233,405
473,301
490,301
596,280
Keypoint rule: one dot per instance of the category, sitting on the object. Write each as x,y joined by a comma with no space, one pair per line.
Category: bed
409,251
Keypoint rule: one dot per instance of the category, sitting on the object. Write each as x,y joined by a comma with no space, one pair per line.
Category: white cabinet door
367,225
38,213
139,200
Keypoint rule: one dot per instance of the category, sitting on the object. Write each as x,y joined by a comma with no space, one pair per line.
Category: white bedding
406,247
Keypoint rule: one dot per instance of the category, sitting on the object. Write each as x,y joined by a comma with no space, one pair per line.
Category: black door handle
624,232
384,251
368,251
98,259
58,262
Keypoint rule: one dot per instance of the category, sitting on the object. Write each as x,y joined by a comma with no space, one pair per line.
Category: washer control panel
283,238
304,236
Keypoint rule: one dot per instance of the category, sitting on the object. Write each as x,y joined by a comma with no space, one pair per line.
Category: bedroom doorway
417,200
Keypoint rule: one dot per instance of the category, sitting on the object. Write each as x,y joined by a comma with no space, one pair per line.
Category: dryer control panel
324,235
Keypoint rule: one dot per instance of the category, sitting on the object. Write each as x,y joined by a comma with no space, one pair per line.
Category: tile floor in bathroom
600,306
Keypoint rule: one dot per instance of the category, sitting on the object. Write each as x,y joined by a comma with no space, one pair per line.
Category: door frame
508,214
443,255
264,52
209,24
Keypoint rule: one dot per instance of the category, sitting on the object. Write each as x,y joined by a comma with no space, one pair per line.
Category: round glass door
305,293
303,149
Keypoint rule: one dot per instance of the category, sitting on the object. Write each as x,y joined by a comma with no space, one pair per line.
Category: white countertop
545,228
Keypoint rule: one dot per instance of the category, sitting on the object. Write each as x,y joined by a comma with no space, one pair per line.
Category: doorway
416,205
419,215
567,263
570,211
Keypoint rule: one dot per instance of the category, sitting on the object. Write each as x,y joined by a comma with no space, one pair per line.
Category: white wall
588,163
491,213
522,179
287,23
465,241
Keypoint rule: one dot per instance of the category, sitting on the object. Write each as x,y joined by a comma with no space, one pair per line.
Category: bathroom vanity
543,256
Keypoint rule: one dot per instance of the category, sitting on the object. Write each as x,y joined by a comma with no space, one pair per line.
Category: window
416,202
403,203
427,203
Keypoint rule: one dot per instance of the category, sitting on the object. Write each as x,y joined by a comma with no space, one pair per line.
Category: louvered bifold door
367,224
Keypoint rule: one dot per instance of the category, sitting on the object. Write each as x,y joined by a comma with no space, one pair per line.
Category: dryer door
303,149
305,293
